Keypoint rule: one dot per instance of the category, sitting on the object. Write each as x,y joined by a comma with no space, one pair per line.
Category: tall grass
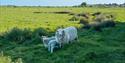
22,35
7,59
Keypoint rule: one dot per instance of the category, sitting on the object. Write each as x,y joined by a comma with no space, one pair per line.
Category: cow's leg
49,47
60,45
69,42
76,39
52,48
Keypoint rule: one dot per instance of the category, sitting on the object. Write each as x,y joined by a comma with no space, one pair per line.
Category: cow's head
60,33
45,40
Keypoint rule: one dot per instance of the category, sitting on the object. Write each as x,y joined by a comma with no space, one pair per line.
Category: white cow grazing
46,40
66,35
50,43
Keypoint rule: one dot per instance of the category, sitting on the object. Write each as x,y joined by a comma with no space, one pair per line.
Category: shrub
104,17
96,13
40,32
74,18
84,21
7,59
98,21
108,23
14,35
99,18
26,34
99,25
94,25
20,36
85,15
37,33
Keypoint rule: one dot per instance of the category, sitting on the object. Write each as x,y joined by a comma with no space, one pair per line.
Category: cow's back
72,32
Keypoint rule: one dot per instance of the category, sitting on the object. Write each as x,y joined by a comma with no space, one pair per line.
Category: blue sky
55,2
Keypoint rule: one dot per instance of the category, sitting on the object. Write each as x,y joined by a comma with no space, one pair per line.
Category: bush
98,21
85,15
99,18
74,18
99,25
104,17
108,23
26,34
14,35
94,25
21,36
84,21
18,35
96,13
37,33
40,32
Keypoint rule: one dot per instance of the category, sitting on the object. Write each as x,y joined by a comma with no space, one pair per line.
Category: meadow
107,46
24,17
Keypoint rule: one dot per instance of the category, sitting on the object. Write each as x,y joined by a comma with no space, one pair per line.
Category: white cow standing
46,40
50,43
66,35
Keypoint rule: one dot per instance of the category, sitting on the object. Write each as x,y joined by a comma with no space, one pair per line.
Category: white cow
66,35
46,40
50,43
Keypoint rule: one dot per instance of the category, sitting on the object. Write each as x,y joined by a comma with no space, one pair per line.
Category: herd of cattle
62,36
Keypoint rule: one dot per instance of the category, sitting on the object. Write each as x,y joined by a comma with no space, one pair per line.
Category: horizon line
59,5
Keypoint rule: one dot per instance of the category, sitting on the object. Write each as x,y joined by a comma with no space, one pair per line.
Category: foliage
37,33
15,34
84,21
20,35
7,59
83,4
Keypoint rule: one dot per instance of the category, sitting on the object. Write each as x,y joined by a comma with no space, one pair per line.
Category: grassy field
107,46
23,17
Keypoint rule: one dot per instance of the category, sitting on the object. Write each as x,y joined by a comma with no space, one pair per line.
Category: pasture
107,46
24,17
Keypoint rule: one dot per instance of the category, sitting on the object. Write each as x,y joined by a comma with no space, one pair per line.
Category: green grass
23,17
8,59
107,46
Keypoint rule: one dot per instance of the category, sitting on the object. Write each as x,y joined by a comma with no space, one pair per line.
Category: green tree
83,4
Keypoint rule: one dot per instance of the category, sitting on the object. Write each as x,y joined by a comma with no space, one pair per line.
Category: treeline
83,4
